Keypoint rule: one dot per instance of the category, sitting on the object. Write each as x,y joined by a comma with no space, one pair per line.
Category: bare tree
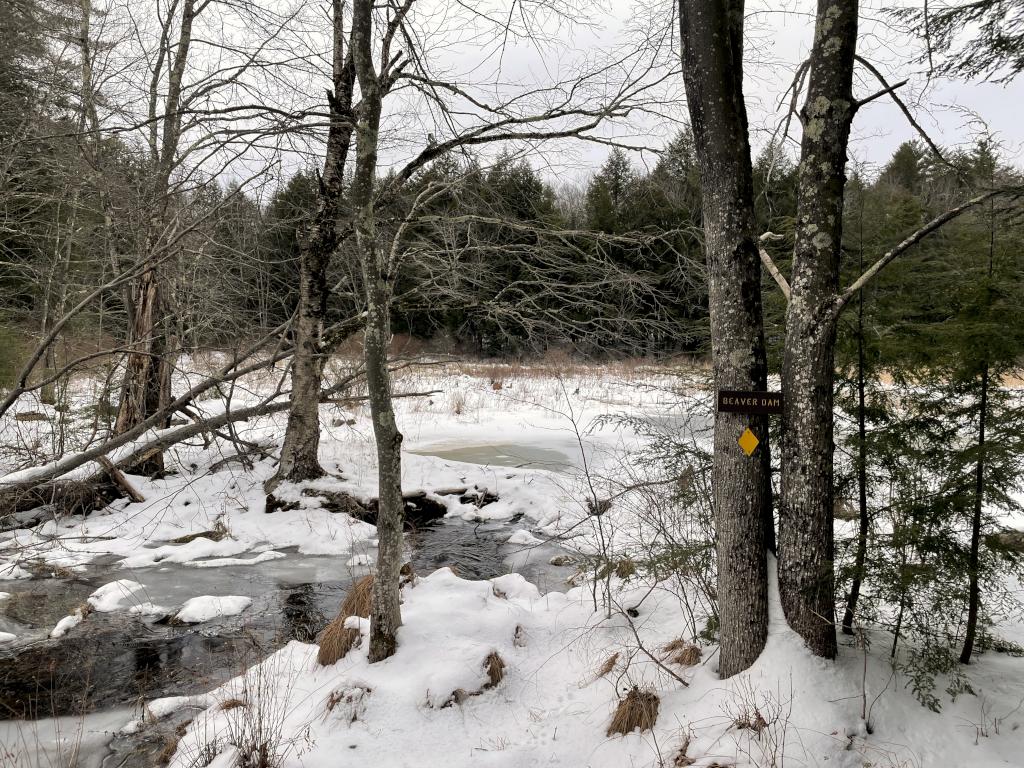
317,246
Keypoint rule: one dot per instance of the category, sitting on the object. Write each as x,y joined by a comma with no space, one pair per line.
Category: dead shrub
682,652
638,710
495,668
681,759
233,703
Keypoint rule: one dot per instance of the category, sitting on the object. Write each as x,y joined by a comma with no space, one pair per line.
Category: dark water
115,660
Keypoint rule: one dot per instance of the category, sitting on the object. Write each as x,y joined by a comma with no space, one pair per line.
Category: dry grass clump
233,703
637,710
494,665
357,601
607,666
682,652
337,639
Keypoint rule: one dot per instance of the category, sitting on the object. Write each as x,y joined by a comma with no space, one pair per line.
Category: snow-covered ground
546,444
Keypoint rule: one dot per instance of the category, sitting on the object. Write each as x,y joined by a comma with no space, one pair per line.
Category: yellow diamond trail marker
748,441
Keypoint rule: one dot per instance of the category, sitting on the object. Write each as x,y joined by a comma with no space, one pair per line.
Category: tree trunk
385,611
712,40
146,387
973,565
806,546
862,459
299,460
974,593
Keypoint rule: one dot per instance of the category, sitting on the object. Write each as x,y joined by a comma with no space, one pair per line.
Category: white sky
779,36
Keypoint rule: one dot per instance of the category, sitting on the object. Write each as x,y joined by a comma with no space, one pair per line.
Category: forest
378,383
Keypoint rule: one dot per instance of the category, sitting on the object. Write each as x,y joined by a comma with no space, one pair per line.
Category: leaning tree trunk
712,39
806,546
299,460
385,610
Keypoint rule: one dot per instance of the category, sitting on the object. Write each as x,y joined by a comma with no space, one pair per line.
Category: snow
11,571
116,596
206,607
4,595
430,704
7,637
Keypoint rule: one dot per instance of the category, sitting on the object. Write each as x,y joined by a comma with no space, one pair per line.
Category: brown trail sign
734,401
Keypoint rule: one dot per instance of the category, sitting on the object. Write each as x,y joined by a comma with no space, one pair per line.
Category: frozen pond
502,455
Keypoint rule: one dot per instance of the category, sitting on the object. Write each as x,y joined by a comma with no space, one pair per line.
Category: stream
67,695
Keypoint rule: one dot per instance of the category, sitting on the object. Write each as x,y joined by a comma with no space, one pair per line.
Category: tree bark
806,545
974,588
299,460
385,611
973,564
712,40
862,458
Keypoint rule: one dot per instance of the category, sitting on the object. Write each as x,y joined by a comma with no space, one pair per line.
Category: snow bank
206,607
432,703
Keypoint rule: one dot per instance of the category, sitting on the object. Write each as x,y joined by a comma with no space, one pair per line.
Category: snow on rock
7,637
206,607
149,609
523,537
11,571
116,595
67,624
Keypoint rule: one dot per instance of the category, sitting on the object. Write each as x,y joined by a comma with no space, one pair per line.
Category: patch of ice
206,607
7,637
359,560
4,595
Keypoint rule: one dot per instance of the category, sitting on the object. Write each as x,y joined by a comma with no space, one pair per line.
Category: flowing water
98,673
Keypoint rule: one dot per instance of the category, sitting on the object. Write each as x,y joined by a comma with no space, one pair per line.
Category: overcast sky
779,36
